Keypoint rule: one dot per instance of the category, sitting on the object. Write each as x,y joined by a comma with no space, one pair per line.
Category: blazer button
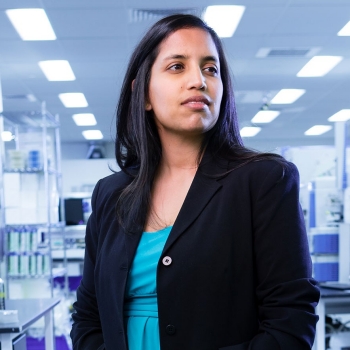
170,329
167,260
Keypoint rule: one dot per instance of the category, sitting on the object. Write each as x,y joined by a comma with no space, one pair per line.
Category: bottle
14,240
46,265
2,295
24,264
39,264
32,265
13,264
22,239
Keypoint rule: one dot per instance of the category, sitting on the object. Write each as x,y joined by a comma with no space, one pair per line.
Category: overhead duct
265,52
141,15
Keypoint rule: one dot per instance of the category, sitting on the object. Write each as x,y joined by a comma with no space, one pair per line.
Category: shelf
24,171
75,228
30,204
51,171
31,119
70,254
25,277
70,231
59,225
18,253
324,254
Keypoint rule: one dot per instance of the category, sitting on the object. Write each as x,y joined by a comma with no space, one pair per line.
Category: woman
198,243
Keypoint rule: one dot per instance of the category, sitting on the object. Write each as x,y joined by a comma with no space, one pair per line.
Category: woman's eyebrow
184,57
210,58
176,56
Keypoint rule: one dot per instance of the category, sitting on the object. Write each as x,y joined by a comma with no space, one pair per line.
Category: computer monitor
74,213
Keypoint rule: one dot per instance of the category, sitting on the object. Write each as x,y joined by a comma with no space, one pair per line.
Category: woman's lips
196,102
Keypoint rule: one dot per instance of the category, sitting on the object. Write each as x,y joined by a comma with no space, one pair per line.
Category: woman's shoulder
112,184
251,162
264,176
274,167
275,164
115,180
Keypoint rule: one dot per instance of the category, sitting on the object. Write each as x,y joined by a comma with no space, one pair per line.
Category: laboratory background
62,64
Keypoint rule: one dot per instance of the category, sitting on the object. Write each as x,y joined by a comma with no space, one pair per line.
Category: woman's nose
196,80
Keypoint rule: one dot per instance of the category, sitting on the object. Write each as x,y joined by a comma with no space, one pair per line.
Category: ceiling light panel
317,130
73,100
31,24
84,119
57,70
249,131
92,134
287,96
224,19
342,116
265,116
319,66
7,136
345,31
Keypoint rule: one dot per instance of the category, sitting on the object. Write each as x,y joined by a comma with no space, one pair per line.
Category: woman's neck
179,154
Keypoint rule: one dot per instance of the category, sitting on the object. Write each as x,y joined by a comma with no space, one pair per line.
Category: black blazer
240,276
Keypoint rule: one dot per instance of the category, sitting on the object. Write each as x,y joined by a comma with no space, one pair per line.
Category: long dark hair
138,149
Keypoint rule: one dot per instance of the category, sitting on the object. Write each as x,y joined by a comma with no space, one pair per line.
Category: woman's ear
132,85
148,106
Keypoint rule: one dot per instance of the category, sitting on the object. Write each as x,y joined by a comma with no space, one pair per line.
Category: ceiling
97,38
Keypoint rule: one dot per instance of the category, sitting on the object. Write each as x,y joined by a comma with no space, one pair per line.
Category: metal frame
44,121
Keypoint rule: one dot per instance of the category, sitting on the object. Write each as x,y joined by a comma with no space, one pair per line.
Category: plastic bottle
2,294
14,240
32,265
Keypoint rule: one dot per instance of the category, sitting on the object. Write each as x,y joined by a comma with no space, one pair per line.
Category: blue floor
36,344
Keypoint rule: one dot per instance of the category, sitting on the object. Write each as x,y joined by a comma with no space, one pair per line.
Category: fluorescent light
31,24
265,116
319,66
249,131
73,99
7,136
286,96
317,130
84,119
342,116
224,19
57,70
345,31
92,134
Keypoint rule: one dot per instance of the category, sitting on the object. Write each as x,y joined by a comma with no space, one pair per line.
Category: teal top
140,305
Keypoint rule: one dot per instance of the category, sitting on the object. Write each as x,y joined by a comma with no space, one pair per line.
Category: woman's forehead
188,40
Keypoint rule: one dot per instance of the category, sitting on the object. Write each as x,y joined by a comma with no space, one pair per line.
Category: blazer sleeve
286,293
86,331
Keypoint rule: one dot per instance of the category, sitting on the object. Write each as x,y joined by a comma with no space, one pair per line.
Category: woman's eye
211,69
176,67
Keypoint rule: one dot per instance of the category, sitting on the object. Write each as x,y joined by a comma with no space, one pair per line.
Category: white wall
80,150
81,175
312,161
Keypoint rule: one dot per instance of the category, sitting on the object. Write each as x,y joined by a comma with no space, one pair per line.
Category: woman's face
185,89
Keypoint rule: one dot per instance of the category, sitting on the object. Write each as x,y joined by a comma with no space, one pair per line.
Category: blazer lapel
202,189
200,193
